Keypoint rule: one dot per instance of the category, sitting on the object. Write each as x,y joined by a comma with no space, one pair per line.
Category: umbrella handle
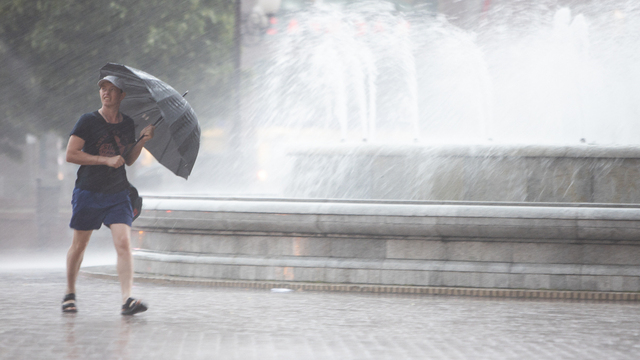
137,141
126,153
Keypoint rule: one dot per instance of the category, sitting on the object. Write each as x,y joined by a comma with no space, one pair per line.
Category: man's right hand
115,161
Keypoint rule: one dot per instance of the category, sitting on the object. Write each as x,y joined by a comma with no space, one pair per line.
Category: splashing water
532,75
519,74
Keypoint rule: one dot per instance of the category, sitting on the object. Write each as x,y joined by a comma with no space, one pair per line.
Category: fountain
422,110
499,157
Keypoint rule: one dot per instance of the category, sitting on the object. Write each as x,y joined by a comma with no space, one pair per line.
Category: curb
109,273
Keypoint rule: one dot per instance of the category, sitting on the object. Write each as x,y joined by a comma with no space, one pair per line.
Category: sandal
69,303
133,306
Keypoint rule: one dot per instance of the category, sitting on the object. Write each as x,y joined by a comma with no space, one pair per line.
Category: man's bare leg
121,234
75,256
74,260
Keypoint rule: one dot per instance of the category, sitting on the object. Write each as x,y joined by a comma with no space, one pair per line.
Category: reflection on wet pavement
193,322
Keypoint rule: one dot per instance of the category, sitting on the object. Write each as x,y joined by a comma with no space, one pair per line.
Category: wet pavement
197,322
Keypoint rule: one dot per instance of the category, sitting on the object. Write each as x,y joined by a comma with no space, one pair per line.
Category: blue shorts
92,209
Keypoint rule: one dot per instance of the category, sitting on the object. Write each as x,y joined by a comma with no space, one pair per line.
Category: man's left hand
147,133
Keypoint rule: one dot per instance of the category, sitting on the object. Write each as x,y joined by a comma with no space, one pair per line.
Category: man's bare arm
75,155
146,134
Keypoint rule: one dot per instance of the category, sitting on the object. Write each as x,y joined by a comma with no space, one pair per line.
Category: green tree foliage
51,52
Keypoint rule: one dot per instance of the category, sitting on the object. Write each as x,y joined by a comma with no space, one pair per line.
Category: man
98,143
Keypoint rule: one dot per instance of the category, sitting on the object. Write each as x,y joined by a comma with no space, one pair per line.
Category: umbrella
149,100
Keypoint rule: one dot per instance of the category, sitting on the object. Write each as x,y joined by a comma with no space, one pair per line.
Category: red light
404,26
486,6
293,26
362,28
315,27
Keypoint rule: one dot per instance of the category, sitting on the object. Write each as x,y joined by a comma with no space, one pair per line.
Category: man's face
110,95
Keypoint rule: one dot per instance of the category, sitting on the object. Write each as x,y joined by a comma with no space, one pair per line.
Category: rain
314,117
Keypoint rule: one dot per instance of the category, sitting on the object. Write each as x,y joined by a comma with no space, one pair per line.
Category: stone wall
515,246
576,174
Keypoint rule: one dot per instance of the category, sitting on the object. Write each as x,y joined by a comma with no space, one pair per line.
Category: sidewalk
199,322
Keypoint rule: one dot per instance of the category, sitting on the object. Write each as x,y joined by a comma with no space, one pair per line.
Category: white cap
118,82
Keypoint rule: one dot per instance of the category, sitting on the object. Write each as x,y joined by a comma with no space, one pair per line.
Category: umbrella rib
165,149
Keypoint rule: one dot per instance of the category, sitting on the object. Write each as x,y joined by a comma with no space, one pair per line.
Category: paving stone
199,322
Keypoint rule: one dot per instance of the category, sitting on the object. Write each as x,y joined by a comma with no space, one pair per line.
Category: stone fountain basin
513,173
591,247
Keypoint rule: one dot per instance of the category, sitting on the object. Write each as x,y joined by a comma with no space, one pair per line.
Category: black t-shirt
100,138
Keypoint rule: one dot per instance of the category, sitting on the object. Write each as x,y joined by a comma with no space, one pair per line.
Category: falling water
345,75
525,74
531,75
337,69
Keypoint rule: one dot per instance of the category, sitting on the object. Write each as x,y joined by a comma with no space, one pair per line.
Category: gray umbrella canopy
177,138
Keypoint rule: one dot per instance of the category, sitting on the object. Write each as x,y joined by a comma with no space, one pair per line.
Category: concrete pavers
196,322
